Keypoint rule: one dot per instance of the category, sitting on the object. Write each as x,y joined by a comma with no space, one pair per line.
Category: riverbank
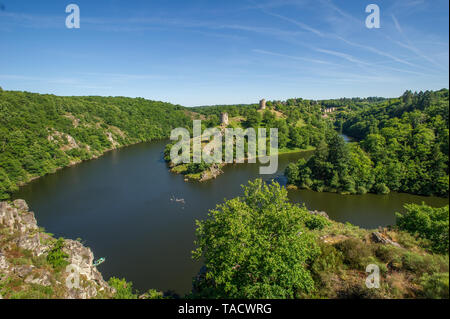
80,161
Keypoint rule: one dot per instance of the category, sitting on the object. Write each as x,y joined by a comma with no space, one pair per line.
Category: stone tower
262,104
224,118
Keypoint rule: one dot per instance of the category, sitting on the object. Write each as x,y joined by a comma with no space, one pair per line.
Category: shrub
361,190
56,256
154,294
329,260
316,222
194,168
427,222
355,252
435,286
413,262
386,253
124,289
381,188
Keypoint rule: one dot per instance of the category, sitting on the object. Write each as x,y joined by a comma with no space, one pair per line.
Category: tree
407,97
253,119
427,222
256,246
124,289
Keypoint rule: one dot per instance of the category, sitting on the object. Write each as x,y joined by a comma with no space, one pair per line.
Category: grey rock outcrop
83,258
378,237
4,264
17,219
212,172
20,230
43,279
319,213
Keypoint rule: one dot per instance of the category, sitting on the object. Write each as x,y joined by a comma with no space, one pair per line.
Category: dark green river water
120,206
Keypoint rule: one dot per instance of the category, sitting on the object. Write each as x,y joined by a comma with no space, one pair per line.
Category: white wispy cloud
342,55
408,45
302,25
292,57
376,51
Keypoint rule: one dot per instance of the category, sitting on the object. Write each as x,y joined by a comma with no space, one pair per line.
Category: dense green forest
402,146
261,245
41,133
402,143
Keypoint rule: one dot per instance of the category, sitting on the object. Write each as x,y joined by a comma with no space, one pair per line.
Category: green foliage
403,147
435,286
299,122
381,188
316,222
335,166
124,289
355,252
35,130
329,260
427,222
154,294
424,263
56,256
256,246
194,168
408,141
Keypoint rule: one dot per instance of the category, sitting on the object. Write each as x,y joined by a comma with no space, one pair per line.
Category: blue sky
199,52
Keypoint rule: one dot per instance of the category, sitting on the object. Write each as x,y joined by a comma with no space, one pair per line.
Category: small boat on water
181,200
99,261
178,200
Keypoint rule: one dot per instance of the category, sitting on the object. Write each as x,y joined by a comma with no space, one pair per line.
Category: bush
435,286
56,257
124,289
316,222
413,262
154,294
194,168
355,252
381,188
361,190
427,222
387,253
329,260
421,264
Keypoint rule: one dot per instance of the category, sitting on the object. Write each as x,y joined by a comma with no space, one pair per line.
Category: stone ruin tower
224,118
262,104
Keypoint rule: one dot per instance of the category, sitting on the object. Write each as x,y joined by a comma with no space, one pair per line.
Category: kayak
99,261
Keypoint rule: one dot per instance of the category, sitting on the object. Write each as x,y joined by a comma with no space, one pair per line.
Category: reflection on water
120,205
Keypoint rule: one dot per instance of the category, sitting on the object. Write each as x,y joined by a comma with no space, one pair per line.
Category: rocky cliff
26,271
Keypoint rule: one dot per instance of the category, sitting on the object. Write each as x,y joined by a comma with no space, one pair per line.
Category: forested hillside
301,126
41,133
403,146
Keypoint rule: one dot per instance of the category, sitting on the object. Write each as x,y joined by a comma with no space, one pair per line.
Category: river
120,205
